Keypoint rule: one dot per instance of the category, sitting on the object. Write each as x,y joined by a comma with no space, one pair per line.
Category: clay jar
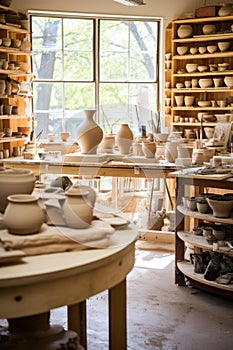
78,206
149,149
124,139
15,181
89,133
23,214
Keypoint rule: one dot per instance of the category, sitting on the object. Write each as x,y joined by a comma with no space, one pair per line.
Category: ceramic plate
116,221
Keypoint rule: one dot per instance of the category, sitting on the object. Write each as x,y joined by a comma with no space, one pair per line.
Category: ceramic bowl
202,49
193,50
209,29
212,48
224,45
205,83
223,66
182,50
191,67
202,68
6,42
161,137
228,80
204,103
16,43
209,132
24,129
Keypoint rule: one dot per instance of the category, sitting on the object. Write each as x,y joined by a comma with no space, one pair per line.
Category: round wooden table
37,284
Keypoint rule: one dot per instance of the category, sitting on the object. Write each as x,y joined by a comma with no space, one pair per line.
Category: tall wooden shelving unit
22,98
223,33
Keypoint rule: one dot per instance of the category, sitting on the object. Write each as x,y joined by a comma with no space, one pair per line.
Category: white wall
168,9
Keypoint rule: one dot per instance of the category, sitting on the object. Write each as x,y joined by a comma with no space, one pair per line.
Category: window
107,64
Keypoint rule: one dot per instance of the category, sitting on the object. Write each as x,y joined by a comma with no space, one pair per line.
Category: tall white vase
89,133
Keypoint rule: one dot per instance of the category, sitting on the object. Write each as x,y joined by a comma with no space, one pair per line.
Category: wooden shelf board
200,241
193,124
182,108
13,116
14,29
205,38
208,217
213,89
199,74
203,19
203,55
187,270
12,139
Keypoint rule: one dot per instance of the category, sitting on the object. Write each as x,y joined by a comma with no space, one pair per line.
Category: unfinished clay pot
124,139
23,214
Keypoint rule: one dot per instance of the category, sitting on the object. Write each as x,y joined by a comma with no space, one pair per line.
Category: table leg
77,321
117,317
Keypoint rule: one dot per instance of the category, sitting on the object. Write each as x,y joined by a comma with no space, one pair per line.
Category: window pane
108,63
47,65
79,96
46,45
78,66
78,34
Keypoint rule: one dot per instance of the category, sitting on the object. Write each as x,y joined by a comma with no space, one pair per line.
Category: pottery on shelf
149,149
124,139
224,45
189,100
23,215
182,50
185,31
179,100
228,80
221,205
15,181
78,206
209,28
89,133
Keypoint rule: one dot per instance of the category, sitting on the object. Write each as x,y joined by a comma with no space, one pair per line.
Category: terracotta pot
149,149
189,100
14,181
23,214
179,100
78,207
124,139
89,133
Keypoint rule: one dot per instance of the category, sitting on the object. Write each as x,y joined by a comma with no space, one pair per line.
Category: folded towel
53,239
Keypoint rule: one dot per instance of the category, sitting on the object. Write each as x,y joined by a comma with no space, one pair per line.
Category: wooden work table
113,168
37,284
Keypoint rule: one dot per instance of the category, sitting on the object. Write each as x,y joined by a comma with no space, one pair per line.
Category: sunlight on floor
153,260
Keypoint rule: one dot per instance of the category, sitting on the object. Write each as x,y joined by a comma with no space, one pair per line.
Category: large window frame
115,111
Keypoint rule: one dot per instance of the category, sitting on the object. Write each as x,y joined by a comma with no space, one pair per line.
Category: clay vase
171,152
78,206
15,181
124,139
89,133
23,215
149,149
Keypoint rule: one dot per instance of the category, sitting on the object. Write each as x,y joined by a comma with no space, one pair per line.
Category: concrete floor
161,315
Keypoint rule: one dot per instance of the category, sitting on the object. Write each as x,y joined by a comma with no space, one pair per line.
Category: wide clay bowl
221,205
191,67
209,29
205,83
212,48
